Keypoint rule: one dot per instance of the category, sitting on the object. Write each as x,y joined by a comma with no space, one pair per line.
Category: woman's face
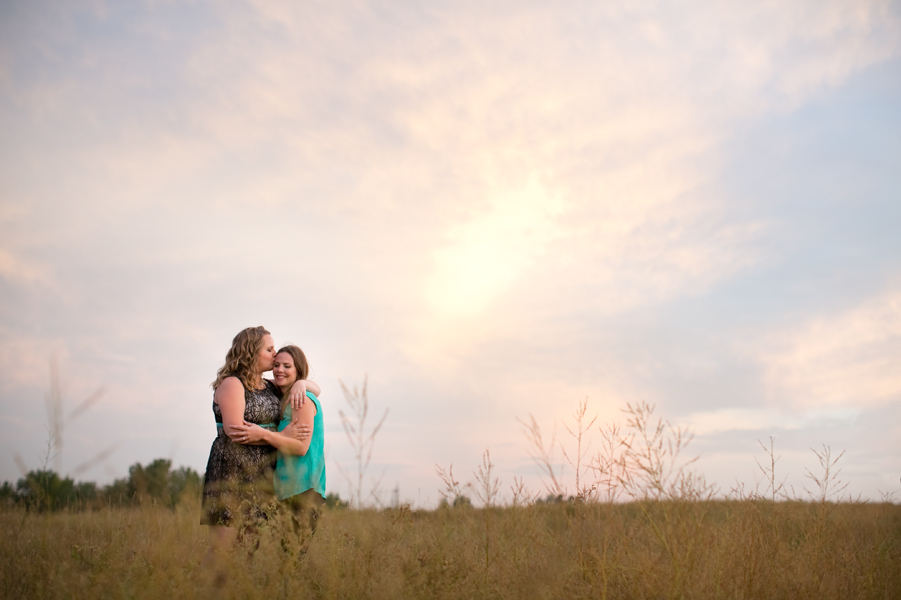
266,355
284,373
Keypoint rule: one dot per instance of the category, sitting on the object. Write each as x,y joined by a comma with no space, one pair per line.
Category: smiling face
266,354
284,372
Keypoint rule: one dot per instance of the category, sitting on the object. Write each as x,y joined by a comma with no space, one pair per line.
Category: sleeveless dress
237,486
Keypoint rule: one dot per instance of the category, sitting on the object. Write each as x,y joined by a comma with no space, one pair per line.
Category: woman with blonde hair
237,486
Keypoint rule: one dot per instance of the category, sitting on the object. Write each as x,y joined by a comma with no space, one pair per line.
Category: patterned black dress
237,487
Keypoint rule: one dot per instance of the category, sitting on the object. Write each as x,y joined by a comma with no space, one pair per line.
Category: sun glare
488,254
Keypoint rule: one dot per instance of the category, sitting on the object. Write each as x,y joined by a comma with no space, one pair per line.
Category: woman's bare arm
297,395
230,398
254,434
313,387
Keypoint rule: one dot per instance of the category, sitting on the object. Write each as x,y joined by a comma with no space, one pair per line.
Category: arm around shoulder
313,387
297,395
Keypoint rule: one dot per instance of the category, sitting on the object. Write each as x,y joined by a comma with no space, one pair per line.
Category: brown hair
241,359
300,364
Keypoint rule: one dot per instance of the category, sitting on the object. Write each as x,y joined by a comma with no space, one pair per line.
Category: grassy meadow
635,523
645,549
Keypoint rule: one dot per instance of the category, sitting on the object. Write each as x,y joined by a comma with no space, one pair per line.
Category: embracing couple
269,441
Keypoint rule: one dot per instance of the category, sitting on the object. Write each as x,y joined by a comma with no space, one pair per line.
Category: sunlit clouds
848,359
493,209
486,254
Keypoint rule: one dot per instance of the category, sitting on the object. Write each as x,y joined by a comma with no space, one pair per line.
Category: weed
542,454
578,432
361,441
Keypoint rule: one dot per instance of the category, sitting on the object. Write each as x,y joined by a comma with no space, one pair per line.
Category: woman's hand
298,431
246,433
297,395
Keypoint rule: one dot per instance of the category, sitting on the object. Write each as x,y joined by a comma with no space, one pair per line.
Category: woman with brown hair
300,469
237,486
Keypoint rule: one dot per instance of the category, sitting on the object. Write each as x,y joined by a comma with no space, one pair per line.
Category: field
650,549
640,525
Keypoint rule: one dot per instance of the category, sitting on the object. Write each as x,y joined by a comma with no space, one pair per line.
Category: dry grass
639,524
645,549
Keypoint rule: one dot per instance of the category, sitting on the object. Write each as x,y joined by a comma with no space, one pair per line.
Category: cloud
514,195
767,419
840,360
17,271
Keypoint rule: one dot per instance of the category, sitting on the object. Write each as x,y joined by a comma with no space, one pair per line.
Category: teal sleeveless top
297,474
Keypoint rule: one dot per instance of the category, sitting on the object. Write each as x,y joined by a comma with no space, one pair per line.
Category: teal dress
297,474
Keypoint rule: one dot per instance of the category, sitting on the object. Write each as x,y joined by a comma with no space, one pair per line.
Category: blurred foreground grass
751,548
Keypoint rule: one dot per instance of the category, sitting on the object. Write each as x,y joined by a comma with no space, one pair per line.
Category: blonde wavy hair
300,363
241,359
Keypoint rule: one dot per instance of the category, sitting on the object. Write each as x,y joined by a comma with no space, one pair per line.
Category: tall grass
644,549
639,523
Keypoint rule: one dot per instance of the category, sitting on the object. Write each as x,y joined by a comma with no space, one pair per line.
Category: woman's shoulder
313,403
232,382
228,388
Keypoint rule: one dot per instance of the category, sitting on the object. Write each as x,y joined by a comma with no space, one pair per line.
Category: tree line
155,483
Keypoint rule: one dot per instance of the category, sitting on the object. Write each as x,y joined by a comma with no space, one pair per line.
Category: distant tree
45,490
85,492
154,482
462,502
185,485
151,482
333,500
553,499
115,494
8,494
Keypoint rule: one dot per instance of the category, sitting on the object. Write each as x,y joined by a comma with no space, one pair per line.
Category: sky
485,211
